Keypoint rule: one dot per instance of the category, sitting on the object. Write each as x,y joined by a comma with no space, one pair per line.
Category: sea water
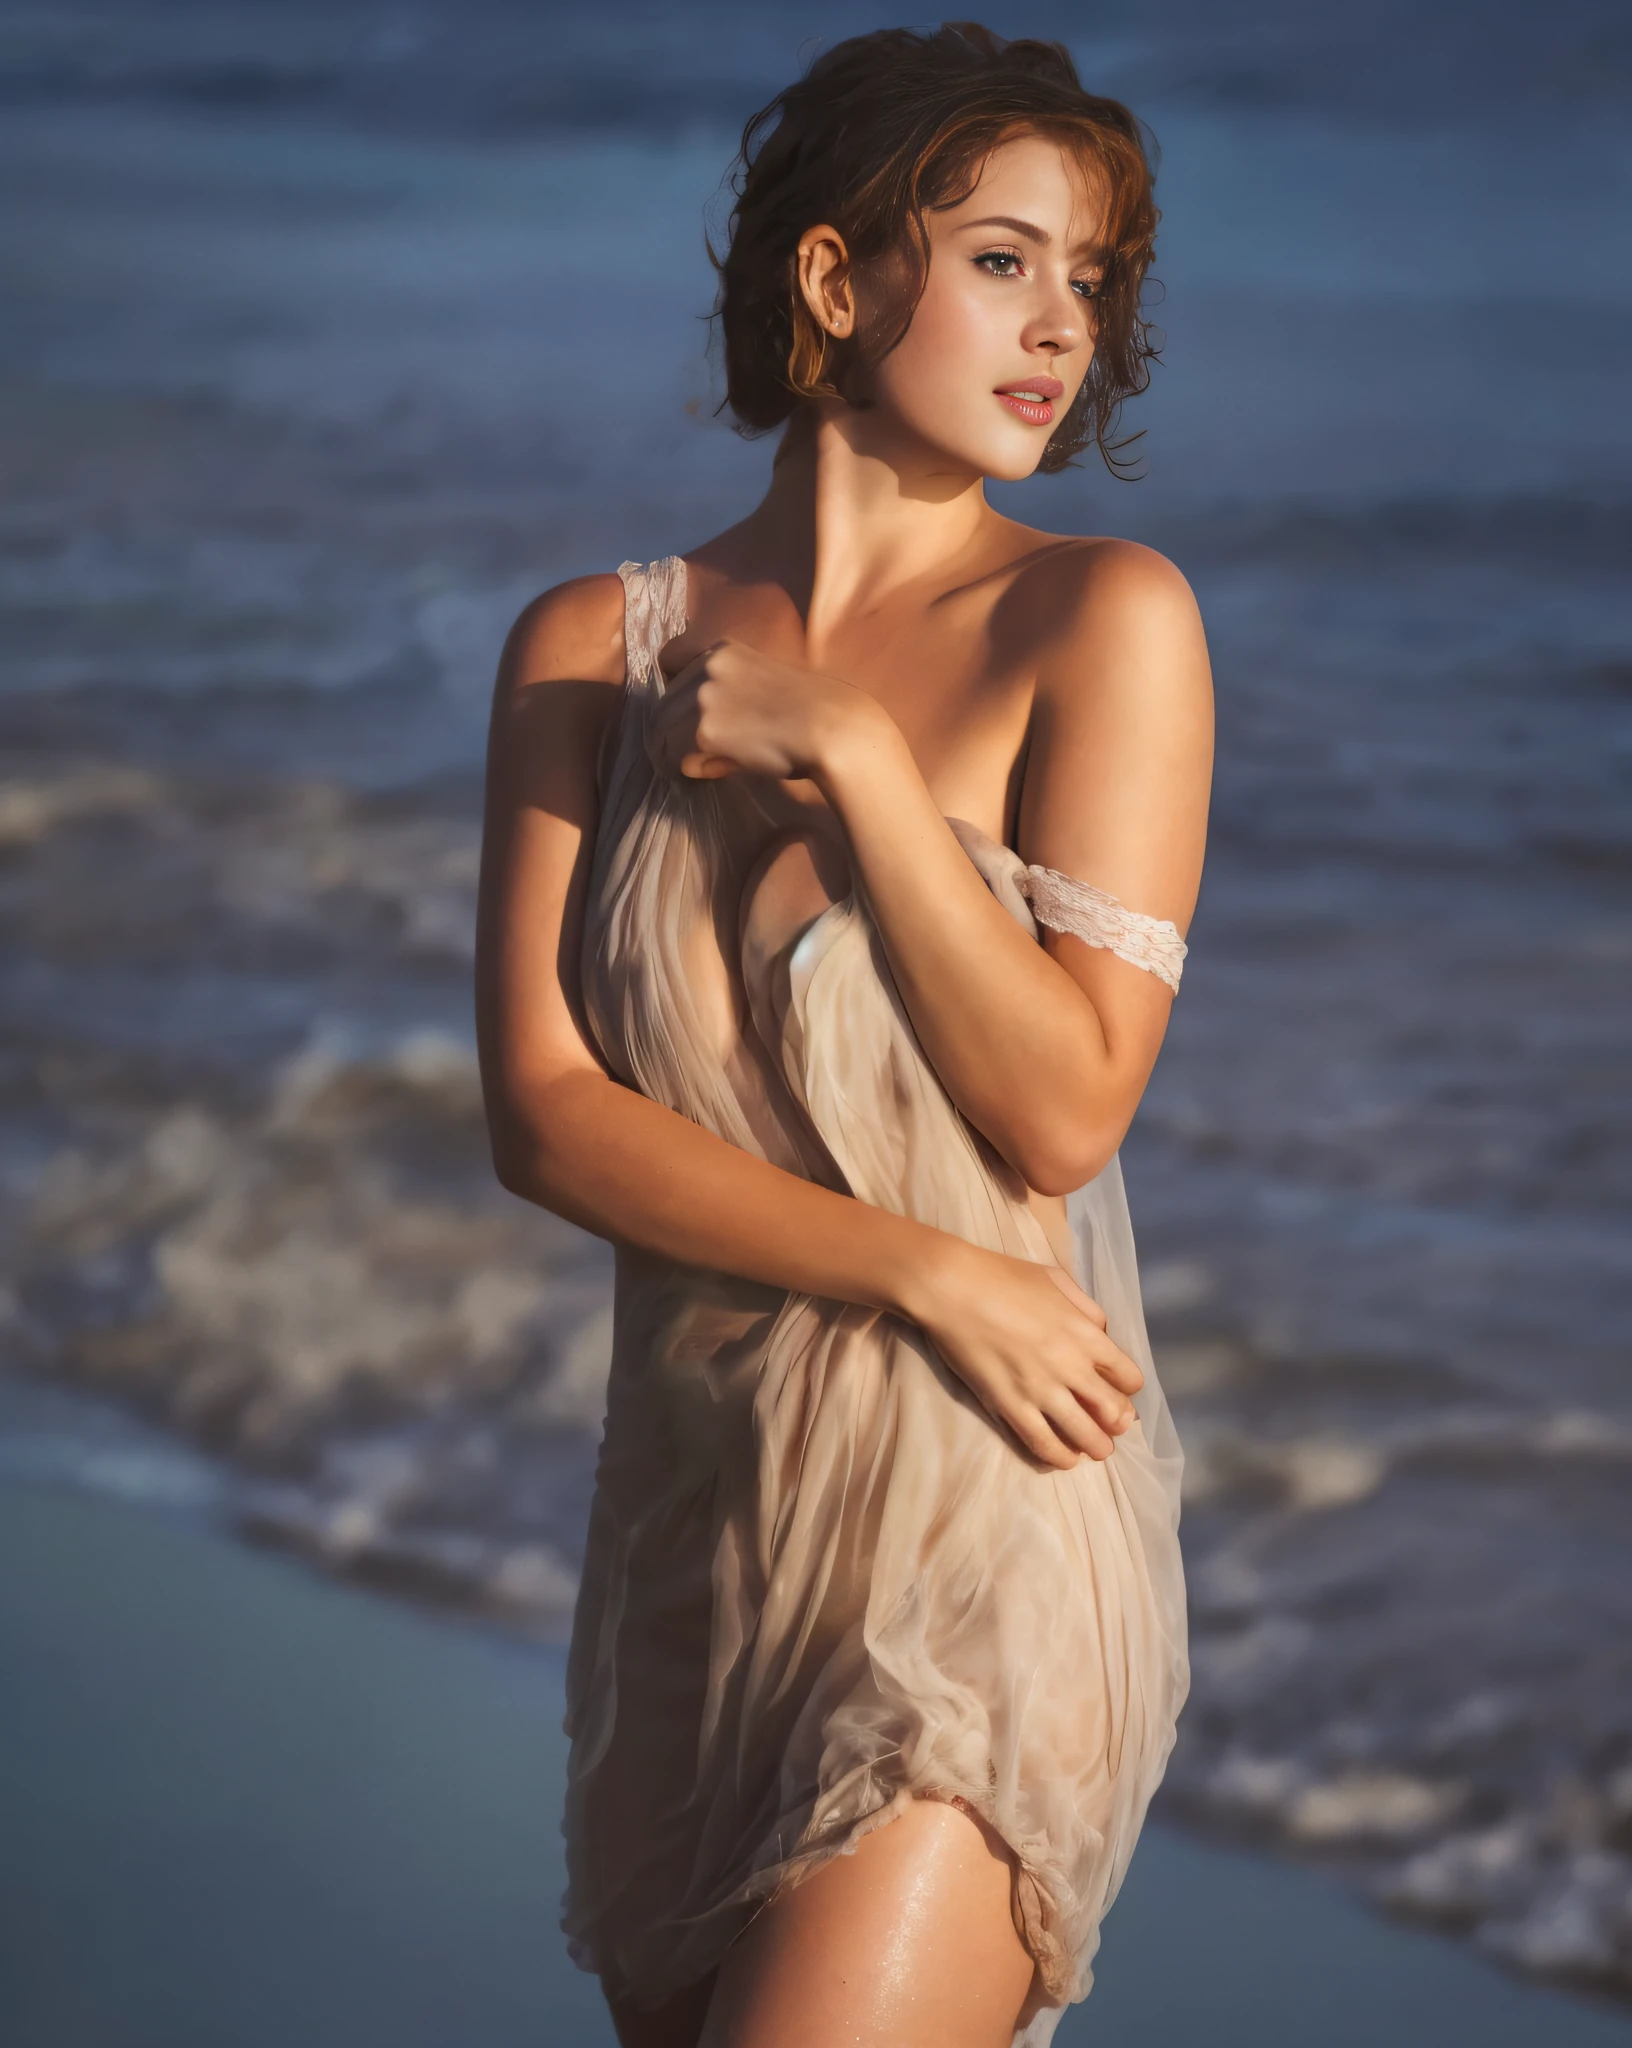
333,335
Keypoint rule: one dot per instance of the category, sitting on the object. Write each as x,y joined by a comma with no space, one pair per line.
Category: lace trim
654,612
1067,905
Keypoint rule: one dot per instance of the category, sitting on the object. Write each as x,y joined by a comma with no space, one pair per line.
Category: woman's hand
734,711
1032,1348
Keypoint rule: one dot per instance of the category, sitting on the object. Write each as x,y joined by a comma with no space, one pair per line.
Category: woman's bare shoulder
570,633
1113,609
1079,573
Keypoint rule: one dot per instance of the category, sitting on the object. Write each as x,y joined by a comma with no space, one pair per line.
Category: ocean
333,334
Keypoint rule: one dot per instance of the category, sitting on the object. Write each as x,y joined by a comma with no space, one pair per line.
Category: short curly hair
882,129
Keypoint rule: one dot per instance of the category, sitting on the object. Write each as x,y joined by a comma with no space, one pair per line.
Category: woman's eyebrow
1040,236
1015,227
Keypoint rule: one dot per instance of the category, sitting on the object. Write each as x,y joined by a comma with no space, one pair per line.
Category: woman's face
1003,336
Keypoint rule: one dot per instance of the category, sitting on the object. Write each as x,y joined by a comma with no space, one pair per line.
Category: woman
831,915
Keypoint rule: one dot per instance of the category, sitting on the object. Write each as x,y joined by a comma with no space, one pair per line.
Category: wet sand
242,1806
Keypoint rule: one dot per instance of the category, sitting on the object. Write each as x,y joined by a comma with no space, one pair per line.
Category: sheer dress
820,1581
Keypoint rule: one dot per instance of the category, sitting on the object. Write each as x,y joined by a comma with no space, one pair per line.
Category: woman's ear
823,267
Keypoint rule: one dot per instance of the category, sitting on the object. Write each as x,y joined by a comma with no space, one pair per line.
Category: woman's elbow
1065,1157
513,1166
521,1155
548,1140
1064,1175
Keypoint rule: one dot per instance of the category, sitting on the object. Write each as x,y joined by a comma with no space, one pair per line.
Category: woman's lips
1033,399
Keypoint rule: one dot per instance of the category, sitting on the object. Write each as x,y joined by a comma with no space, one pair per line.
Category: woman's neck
849,517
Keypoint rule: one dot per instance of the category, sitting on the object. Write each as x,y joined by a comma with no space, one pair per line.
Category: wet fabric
820,1580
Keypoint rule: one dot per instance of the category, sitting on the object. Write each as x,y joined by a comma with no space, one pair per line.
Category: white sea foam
29,810
1371,1805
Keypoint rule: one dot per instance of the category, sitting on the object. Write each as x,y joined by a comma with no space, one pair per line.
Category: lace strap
1067,905
654,612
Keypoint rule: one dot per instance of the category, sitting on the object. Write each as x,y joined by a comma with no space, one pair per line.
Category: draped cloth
820,1581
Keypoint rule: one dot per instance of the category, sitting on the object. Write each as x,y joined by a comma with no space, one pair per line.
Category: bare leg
907,1943
679,2024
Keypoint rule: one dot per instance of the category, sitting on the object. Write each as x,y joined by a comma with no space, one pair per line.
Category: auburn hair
881,130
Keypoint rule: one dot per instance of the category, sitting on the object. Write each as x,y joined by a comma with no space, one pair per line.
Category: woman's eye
999,262
1088,287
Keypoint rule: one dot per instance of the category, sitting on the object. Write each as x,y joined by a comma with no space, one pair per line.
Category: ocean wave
331,1292
1547,1887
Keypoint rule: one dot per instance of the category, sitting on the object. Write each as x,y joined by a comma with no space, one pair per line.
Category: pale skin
880,640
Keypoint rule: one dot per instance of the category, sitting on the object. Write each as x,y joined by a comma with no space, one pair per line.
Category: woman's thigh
907,1943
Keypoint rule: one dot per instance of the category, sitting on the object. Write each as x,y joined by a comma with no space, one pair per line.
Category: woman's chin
1011,464
1004,450
1000,458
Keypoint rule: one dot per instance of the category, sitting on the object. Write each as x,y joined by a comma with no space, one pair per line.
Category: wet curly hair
880,131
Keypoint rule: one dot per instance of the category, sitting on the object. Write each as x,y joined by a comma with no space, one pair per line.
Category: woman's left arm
1045,1048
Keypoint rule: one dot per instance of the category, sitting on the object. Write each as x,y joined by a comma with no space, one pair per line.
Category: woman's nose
1060,321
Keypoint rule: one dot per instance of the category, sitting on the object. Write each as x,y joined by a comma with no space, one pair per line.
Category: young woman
831,914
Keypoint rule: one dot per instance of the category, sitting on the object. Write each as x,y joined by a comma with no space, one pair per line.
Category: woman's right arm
568,1136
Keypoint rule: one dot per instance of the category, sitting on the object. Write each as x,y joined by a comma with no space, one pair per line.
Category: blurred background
336,329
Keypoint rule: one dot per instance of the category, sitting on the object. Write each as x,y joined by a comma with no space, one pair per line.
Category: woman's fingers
1047,1444
674,747
1109,1410
1112,1363
1000,1395
672,722
681,735
1109,1358
1043,1367
730,711
1072,1423
694,670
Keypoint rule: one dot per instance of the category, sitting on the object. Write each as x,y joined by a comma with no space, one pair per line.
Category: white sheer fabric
820,1582
1067,905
